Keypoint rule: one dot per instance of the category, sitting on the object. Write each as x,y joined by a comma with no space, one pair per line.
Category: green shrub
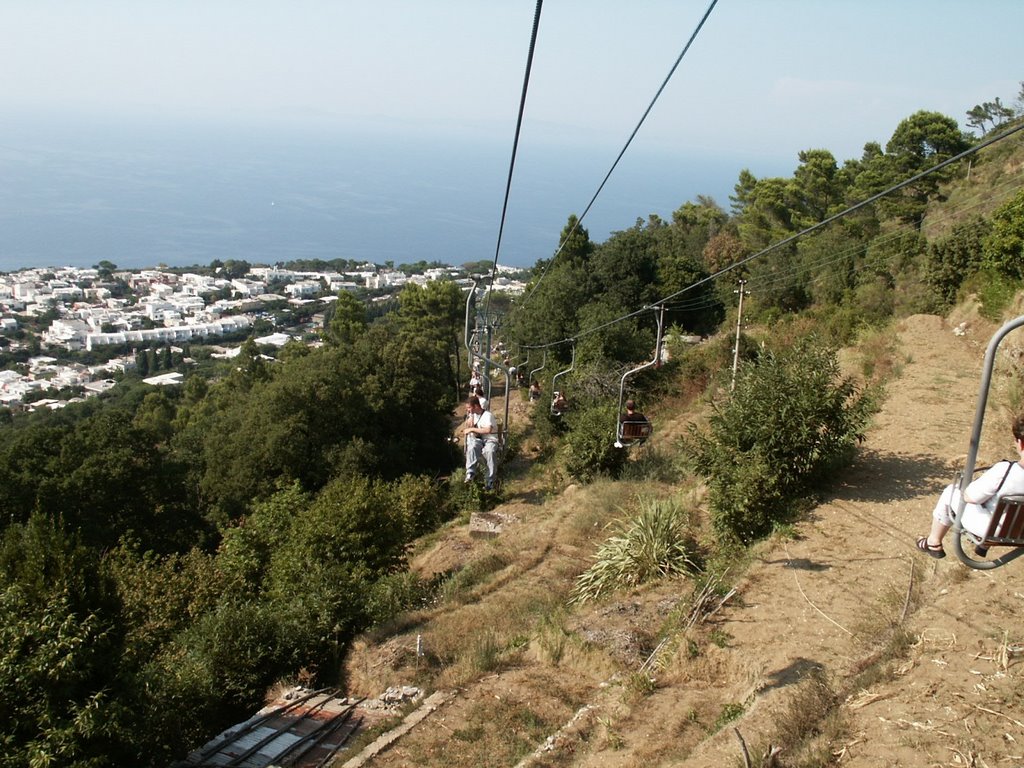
590,450
160,596
53,706
791,421
422,503
397,592
995,291
699,365
209,676
656,542
59,650
464,497
955,257
247,545
1004,244
547,429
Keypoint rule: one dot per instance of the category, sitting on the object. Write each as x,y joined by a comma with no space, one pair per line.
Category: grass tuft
657,542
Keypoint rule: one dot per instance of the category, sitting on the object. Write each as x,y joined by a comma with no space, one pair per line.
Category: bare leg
937,533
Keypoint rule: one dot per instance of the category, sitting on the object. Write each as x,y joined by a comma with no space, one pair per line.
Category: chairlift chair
633,432
520,376
559,404
1006,526
535,371
630,433
475,352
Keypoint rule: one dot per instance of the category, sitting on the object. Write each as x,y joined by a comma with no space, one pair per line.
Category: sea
141,193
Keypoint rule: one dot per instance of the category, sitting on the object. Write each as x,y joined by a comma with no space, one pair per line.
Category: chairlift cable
504,207
899,231
515,147
579,221
794,237
851,209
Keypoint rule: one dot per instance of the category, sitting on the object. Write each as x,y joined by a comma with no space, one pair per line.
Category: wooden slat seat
1006,529
634,431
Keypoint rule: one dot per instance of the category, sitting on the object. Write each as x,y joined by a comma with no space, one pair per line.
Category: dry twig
1018,723
743,748
812,604
910,588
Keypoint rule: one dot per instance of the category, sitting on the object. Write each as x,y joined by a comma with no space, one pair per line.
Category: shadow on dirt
792,673
802,564
886,477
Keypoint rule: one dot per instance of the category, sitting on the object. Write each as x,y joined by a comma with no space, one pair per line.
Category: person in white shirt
1001,479
481,438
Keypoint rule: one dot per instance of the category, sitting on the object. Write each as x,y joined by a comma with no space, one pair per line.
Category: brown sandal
932,550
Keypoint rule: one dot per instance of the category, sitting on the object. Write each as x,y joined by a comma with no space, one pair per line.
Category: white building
70,334
98,387
276,339
247,288
304,289
182,333
165,379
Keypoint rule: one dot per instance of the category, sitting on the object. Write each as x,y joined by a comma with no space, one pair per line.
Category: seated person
482,438
534,391
632,425
1005,478
559,404
484,402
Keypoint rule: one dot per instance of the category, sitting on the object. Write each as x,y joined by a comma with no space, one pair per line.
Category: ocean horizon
144,194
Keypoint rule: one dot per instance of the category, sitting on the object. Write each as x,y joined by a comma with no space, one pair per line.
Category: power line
792,238
848,211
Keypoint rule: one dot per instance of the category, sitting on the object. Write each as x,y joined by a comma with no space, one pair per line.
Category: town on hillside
69,333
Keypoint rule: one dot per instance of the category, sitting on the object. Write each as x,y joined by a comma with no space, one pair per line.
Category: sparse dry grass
497,733
809,723
887,616
880,357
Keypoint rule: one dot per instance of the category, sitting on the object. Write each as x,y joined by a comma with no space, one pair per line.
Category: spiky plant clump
656,542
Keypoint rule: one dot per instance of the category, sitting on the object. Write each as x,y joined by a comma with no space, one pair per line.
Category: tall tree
764,216
346,321
920,142
991,113
562,285
816,190
435,315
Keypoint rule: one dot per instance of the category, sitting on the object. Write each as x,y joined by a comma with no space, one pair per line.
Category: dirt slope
821,601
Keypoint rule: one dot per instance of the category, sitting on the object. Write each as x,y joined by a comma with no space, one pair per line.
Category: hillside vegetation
167,556
832,639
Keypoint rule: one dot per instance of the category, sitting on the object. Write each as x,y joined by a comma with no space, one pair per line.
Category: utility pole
739,322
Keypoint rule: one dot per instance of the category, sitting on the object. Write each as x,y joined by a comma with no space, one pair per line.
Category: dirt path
821,600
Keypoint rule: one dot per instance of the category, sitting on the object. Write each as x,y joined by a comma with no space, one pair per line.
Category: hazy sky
763,80
764,76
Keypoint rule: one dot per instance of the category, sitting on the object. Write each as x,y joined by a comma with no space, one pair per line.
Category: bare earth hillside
916,658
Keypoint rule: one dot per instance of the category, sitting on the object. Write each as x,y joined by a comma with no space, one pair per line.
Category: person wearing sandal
980,497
